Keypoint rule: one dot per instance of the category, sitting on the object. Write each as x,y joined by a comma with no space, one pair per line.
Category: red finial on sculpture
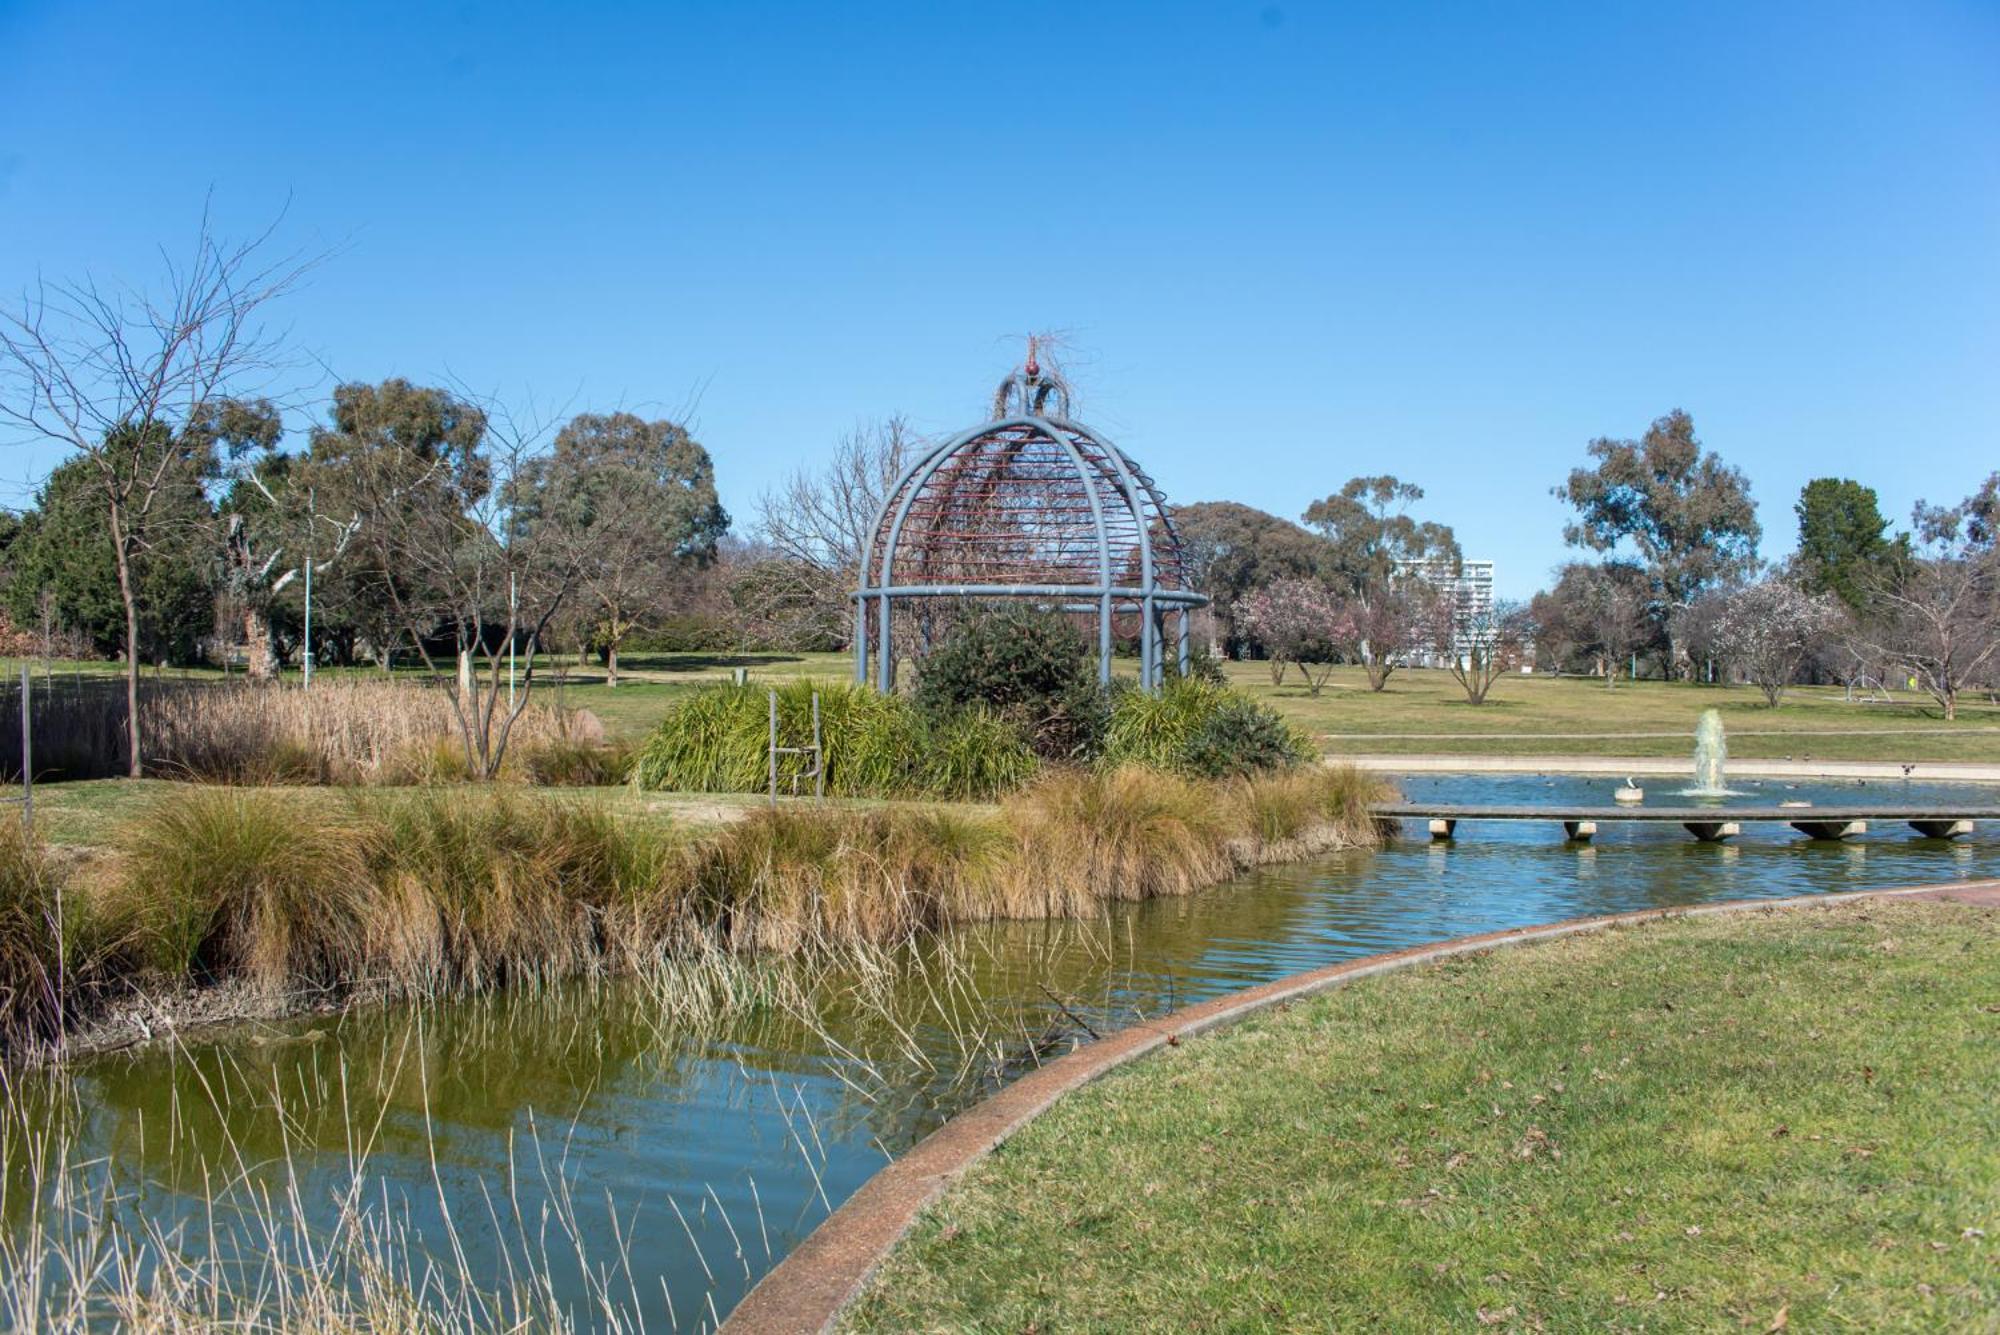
1032,369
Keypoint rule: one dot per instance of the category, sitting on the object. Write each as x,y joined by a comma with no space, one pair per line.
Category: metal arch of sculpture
1030,505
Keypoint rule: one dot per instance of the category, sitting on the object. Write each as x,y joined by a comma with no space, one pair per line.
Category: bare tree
1478,645
825,518
1939,613
437,479
118,374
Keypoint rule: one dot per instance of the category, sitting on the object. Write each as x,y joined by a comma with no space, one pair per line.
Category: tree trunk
611,666
134,762
260,665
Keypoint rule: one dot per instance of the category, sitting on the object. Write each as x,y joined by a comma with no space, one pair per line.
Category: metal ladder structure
817,773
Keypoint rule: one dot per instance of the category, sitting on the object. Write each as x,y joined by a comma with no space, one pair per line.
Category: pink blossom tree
1297,621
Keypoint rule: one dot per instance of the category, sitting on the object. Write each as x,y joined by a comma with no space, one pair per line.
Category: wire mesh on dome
1030,506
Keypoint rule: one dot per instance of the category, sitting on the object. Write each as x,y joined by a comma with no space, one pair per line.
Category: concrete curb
1921,771
810,1288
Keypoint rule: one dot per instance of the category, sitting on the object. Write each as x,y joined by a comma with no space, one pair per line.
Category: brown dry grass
445,889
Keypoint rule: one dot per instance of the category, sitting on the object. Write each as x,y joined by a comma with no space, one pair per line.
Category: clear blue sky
1292,242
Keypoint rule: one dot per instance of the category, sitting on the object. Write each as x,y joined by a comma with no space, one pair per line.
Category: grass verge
1768,1121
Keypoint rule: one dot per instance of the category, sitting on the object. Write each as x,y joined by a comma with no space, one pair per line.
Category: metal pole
819,756
27,757
774,749
312,535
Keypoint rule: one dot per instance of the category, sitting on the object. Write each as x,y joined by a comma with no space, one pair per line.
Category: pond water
689,1162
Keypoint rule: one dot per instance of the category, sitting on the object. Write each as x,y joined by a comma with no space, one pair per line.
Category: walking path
812,1286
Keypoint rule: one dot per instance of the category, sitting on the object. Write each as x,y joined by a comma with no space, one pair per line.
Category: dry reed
452,889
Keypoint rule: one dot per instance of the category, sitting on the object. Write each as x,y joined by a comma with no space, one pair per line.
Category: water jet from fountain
1711,757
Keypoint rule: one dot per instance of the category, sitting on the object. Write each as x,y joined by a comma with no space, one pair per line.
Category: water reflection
712,1154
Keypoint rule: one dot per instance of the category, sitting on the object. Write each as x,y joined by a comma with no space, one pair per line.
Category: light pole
312,533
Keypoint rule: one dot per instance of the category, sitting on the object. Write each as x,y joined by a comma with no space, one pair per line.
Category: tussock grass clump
446,889
482,888
1202,728
232,881
571,762
1129,833
790,879
32,942
716,740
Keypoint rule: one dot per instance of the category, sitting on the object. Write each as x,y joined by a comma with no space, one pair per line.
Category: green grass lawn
1421,712
1780,1121
1425,712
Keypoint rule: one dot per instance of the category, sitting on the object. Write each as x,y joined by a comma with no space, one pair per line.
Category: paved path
1928,771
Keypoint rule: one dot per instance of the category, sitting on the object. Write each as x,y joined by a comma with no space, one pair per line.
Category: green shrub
716,740
1030,668
1241,736
1198,728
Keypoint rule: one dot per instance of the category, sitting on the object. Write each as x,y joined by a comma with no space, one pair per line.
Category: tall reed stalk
449,889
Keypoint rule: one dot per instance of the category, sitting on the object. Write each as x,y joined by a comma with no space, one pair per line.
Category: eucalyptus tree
632,507
1686,515
1378,558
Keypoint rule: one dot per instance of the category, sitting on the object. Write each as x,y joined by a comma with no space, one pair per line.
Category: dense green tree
634,504
1233,549
1844,543
1687,515
406,462
64,552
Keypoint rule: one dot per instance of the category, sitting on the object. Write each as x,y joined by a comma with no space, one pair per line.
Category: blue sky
1291,243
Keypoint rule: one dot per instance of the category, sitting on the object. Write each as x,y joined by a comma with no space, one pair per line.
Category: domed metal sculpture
1030,506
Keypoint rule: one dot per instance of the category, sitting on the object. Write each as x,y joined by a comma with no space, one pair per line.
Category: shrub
1031,668
1198,728
717,739
1241,736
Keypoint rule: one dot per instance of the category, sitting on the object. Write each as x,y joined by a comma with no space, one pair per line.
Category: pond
658,1170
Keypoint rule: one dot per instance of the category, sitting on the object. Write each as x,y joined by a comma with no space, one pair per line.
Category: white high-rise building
1468,590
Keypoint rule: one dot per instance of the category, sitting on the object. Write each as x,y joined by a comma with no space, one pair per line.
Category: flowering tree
1387,622
1297,621
1768,628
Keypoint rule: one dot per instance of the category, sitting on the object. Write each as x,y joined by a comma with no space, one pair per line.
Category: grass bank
421,891
1741,1122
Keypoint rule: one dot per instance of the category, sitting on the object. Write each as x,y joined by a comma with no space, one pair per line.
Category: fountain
1711,753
